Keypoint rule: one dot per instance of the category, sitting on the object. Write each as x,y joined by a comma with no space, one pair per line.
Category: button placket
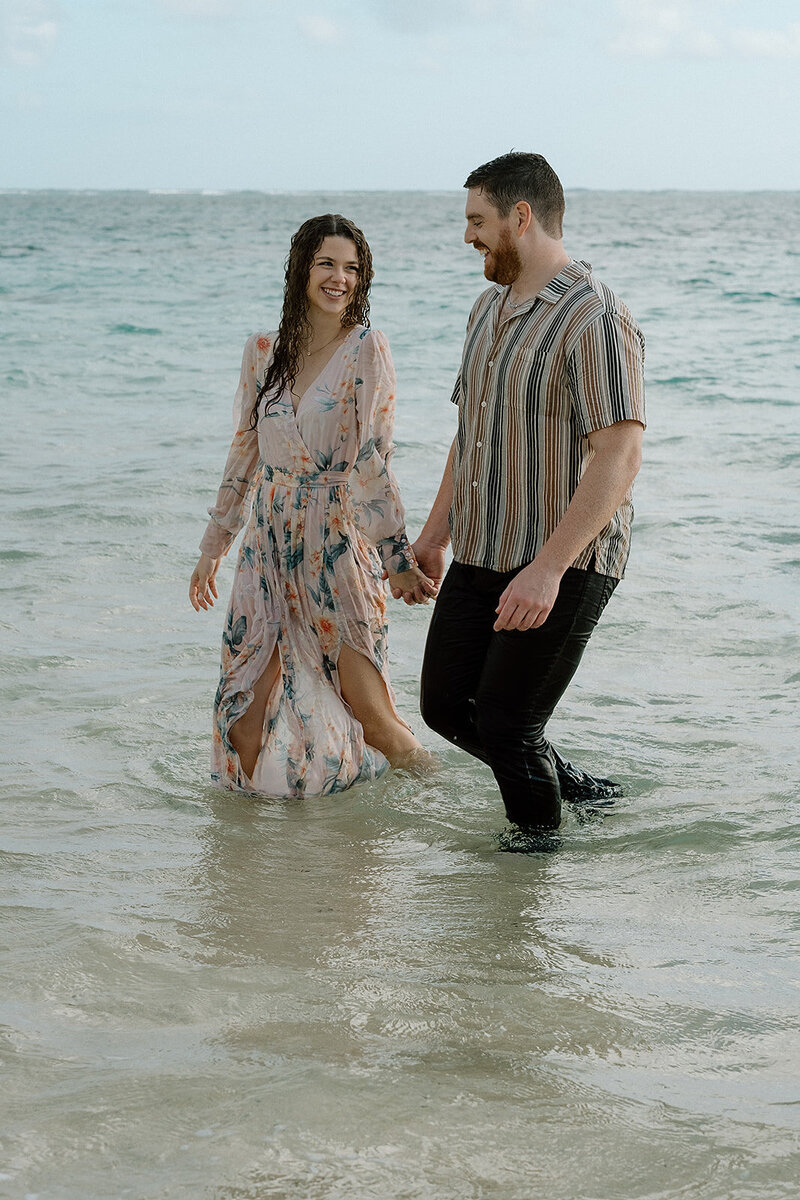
487,384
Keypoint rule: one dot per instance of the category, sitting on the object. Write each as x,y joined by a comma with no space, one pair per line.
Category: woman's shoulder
372,341
259,344
368,334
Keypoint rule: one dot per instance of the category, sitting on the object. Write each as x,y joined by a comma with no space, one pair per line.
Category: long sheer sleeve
373,487
231,510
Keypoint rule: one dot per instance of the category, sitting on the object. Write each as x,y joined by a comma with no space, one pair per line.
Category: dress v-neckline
317,378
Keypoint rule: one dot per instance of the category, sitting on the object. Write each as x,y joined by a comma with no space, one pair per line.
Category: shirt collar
574,271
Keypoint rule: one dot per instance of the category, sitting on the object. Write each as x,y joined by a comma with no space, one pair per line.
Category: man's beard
506,263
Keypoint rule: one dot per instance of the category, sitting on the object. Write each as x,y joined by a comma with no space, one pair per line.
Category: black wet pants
492,694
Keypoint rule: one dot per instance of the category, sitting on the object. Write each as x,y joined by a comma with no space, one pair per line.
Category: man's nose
469,236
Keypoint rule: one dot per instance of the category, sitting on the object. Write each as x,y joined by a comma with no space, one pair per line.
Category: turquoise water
210,998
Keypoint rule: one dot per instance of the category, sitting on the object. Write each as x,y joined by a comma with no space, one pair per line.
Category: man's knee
450,716
435,711
501,723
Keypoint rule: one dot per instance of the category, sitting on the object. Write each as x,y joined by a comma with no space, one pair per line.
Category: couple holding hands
535,496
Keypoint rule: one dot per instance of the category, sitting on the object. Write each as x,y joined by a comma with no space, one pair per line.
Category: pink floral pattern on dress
323,517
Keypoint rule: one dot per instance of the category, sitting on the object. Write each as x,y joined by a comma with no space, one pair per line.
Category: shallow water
210,997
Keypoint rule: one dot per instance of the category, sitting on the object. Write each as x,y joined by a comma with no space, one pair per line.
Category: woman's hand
413,585
203,585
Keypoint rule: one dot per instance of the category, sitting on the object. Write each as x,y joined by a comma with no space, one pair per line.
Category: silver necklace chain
310,353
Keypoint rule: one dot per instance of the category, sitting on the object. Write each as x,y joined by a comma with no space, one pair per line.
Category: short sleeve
605,370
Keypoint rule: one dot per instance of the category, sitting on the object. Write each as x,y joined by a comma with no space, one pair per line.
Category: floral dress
323,516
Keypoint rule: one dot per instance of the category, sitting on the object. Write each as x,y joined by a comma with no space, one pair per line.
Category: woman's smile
333,275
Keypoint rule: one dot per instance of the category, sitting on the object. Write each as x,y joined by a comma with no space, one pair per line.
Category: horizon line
152,190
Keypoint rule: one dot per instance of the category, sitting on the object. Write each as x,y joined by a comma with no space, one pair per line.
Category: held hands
431,559
413,585
528,599
203,585
420,583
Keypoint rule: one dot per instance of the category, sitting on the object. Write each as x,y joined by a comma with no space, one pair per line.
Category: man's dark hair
518,176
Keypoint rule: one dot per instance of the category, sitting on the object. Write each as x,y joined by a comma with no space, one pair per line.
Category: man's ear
523,216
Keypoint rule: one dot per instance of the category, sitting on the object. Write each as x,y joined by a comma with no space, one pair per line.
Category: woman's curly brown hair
294,328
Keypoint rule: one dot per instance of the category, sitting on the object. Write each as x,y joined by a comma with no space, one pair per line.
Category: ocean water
207,997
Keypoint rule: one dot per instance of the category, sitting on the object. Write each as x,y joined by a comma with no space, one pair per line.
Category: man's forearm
436,530
604,485
531,594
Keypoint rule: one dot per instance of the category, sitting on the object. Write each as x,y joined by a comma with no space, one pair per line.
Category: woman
304,705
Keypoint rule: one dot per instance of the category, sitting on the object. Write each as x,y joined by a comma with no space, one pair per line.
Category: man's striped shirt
532,385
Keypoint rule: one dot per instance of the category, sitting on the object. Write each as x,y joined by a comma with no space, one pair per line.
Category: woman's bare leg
246,733
365,691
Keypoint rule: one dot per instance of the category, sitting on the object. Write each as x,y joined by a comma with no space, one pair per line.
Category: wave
19,251
126,327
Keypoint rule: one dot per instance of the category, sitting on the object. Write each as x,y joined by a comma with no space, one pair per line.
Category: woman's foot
417,761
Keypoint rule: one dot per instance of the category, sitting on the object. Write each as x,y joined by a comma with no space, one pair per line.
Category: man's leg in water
524,676
456,654
455,651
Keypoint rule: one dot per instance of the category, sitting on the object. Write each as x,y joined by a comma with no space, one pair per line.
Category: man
536,492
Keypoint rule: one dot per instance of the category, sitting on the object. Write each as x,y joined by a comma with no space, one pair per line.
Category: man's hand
430,556
528,599
429,574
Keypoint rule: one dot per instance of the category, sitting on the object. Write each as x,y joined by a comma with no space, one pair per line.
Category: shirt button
491,362
479,444
483,404
474,483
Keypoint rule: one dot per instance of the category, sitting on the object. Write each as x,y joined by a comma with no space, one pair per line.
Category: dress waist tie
319,479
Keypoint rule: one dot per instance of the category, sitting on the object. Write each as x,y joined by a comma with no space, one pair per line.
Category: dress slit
386,686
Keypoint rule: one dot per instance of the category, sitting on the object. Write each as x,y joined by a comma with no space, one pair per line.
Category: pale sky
390,94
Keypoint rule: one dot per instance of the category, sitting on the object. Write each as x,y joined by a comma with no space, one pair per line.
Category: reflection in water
275,877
